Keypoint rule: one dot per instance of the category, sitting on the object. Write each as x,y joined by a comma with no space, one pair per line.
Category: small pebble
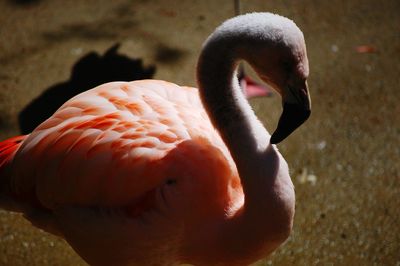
368,68
321,145
304,177
76,51
334,48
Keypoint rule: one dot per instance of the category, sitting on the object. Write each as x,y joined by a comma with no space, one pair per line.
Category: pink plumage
110,145
124,146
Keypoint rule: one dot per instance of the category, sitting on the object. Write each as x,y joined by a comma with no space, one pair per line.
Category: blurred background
344,161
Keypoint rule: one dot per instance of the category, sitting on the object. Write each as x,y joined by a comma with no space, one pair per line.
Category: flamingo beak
296,110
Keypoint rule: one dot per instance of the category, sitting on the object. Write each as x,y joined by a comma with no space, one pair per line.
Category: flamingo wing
105,146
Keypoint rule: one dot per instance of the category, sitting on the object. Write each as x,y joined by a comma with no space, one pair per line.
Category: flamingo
151,173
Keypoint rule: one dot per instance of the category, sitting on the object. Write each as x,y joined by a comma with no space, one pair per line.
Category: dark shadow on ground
91,70
24,2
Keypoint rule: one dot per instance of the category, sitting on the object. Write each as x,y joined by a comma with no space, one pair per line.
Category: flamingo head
279,57
291,83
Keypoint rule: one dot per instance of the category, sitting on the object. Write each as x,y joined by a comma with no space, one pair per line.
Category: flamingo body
111,145
122,148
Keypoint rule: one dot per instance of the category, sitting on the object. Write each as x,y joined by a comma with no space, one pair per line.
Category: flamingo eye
170,181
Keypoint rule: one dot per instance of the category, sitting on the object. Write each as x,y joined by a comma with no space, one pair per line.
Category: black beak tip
292,117
275,139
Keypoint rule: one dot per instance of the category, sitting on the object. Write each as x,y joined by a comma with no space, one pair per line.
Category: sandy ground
344,160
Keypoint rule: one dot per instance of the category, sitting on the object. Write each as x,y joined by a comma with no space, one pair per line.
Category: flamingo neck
231,114
268,190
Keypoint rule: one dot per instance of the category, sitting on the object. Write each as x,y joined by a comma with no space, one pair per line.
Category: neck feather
258,162
267,214
269,196
229,111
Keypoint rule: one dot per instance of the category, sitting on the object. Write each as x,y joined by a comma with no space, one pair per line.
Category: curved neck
269,196
229,111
